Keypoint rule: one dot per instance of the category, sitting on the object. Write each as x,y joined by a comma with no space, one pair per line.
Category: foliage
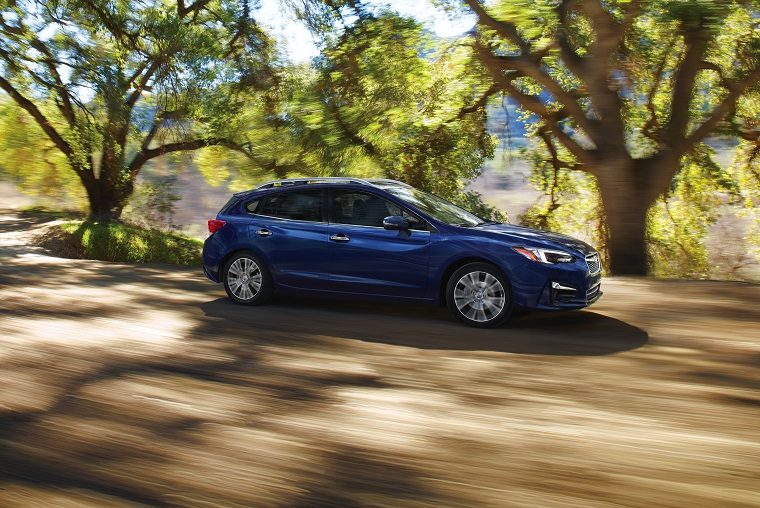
572,204
680,220
119,242
29,159
152,203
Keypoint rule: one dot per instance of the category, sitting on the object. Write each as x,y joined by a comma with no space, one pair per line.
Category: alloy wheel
479,296
244,278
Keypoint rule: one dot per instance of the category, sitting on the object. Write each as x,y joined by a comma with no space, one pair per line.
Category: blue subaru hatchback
385,239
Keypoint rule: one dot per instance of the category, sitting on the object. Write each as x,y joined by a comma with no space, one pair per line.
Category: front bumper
570,295
556,287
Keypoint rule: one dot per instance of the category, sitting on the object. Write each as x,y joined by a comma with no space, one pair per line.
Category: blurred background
633,125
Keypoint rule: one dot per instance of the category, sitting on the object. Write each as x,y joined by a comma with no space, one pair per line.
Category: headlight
545,255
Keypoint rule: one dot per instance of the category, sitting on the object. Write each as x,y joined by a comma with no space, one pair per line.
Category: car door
289,229
366,258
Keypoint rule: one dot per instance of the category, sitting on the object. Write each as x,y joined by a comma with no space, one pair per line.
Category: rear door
289,229
366,258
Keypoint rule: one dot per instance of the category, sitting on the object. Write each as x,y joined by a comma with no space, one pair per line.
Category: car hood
533,236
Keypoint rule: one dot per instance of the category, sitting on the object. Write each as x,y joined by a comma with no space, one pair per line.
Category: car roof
286,183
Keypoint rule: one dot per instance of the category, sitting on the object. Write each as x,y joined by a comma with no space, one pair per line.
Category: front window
438,208
367,209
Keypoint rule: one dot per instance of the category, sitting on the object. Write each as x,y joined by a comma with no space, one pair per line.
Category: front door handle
340,237
264,232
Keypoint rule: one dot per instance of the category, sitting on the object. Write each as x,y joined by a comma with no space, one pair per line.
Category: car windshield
438,208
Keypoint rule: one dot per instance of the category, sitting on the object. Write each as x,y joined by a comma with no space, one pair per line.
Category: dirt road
130,385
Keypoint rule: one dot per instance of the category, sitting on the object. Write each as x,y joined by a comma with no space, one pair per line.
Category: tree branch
479,104
496,65
736,88
504,28
466,110
709,66
147,75
551,118
566,51
545,136
50,62
652,122
634,9
65,105
696,40
183,11
604,25
145,154
114,27
152,132
660,169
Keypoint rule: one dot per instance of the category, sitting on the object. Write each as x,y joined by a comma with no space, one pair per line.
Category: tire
249,267
479,295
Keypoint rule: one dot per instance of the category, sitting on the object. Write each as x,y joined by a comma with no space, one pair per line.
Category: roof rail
387,181
286,182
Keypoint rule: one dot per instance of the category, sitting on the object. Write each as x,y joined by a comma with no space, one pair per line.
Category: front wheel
247,280
479,295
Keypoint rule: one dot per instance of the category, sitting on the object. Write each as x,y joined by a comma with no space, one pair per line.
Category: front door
366,258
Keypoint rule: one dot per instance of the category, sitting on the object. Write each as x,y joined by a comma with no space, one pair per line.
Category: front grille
593,291
594,266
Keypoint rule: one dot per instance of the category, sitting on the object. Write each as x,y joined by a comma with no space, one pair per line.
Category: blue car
383,239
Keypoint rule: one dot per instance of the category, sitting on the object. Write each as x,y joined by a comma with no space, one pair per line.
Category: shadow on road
22,222
428,327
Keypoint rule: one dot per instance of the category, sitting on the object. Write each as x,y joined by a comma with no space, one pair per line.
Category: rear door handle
340,237
264,232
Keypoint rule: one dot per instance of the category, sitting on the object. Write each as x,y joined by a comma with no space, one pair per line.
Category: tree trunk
107,196
109,191
104,209
625,206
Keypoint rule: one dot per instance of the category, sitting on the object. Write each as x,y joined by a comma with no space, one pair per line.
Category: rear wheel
479,295
247,280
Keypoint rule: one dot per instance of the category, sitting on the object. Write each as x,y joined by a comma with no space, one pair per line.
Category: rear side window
295,205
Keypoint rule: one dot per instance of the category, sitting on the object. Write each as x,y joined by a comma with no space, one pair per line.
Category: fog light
562,293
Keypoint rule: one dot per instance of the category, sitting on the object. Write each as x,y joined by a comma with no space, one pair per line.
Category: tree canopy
115,84
624,90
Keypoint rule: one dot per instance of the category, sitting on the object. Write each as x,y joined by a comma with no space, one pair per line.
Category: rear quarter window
253,206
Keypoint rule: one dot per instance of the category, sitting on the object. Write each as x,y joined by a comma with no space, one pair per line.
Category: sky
300,46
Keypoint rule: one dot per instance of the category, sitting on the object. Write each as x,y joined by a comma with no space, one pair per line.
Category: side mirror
395,223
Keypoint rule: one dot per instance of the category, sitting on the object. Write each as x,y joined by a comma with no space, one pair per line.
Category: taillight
215,225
